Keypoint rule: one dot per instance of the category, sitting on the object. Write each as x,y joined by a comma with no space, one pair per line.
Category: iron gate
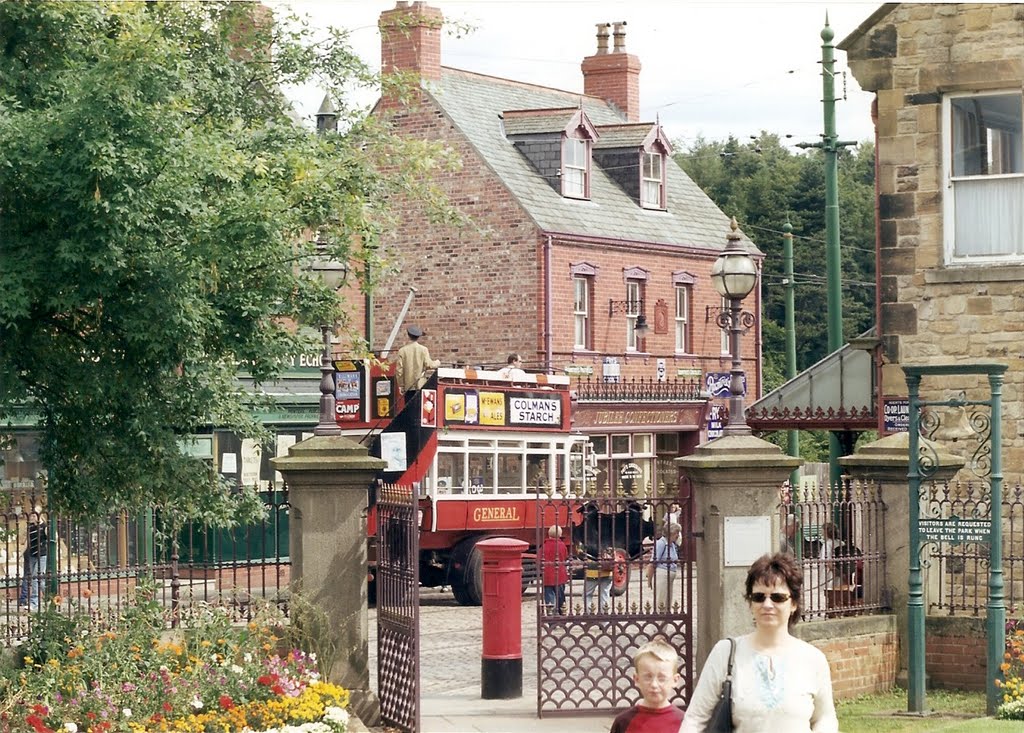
585,649
398,604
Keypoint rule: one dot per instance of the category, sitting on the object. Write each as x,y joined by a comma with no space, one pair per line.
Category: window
581,312
682,318
634,301
575,164
984,215
652,181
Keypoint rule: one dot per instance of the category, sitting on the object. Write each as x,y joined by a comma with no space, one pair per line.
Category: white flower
127,712
197,703
247,657
71,728
236,669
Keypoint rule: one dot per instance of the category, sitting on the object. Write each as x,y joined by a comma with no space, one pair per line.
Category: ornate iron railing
837,533
99,563
640,390
959,570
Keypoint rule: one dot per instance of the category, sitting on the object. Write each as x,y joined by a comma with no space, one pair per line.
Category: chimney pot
620,37
602,38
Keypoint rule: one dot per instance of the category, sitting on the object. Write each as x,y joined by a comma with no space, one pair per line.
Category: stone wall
932,311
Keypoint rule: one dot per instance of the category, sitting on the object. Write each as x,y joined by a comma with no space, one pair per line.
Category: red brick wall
478,287
614,77
609,333
955,653
862,652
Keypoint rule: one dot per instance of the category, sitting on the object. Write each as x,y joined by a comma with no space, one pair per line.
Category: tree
156,204
764,185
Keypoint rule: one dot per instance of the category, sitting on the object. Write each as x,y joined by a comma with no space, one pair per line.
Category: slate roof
532,122
475,102
630,135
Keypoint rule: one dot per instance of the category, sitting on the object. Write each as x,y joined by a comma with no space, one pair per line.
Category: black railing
961,585
98,563
837,533
640,390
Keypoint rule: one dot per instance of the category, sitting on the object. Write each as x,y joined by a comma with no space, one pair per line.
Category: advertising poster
492,408
454,407
347,392
392,450
428,408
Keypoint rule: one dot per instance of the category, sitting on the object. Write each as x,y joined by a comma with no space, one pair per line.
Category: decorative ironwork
585,649
809,415
99,563
640,390
629,307
844,574
398,604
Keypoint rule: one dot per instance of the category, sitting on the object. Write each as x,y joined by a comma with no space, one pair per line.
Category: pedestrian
655,673
671,517
788,534
597,581
34,564
664,567
513,368
555,556
412,364
779,682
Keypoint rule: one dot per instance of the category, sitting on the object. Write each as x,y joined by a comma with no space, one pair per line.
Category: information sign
955,530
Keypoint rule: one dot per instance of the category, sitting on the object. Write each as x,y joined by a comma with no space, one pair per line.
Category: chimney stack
614,76
410,40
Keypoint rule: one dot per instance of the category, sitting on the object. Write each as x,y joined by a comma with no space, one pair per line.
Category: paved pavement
450,645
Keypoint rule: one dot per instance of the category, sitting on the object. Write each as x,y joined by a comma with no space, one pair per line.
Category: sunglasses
776,597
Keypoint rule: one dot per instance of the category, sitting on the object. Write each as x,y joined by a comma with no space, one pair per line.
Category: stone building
950,195
583,230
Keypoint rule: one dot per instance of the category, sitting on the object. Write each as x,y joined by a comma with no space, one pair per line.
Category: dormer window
652,183
575,167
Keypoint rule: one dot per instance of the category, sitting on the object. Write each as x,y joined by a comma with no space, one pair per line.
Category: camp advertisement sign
503,409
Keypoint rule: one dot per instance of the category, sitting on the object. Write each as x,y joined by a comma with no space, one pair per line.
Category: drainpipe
548,346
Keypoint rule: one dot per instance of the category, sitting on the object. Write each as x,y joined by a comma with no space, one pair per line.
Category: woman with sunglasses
780,683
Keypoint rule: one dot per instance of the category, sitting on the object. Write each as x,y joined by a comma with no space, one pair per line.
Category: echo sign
535,411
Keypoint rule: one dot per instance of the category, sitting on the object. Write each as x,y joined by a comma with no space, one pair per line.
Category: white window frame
575,167
634,298
1008,187
581,312
652,182
682,320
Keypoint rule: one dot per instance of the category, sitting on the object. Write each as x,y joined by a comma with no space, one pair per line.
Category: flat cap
414,332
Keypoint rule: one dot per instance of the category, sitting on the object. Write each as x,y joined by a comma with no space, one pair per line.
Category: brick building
950,185
584,228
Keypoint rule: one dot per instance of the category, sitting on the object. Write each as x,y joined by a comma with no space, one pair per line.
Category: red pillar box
501,668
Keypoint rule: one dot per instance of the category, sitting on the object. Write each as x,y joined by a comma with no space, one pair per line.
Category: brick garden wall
955,652
862,651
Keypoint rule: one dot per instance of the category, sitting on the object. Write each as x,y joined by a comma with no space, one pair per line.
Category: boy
655,675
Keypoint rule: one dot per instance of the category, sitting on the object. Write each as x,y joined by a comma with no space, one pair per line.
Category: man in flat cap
413,362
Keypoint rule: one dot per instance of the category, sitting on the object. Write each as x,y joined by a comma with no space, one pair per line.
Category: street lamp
333,273
734,275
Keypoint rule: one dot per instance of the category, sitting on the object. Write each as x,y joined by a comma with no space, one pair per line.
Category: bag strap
732,656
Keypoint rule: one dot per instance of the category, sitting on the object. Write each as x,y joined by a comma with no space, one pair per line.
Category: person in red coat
555,562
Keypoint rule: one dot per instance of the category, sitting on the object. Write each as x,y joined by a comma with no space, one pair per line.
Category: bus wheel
620,575
466,573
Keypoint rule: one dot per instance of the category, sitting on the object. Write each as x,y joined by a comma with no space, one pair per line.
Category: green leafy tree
764,184
157,204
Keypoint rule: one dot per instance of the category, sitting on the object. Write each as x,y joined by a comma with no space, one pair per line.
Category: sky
711,69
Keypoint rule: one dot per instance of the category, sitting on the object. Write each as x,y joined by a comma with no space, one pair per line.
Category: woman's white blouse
788,692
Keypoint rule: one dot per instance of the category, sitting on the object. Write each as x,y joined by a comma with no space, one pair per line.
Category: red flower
225,702
37,723
167,707
156,717
266,680
91,716
277,690
40,710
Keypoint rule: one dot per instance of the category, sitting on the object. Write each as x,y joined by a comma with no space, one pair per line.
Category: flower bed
77,674
1012,668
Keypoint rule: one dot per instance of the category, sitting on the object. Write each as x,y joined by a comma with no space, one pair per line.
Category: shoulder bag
721,717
